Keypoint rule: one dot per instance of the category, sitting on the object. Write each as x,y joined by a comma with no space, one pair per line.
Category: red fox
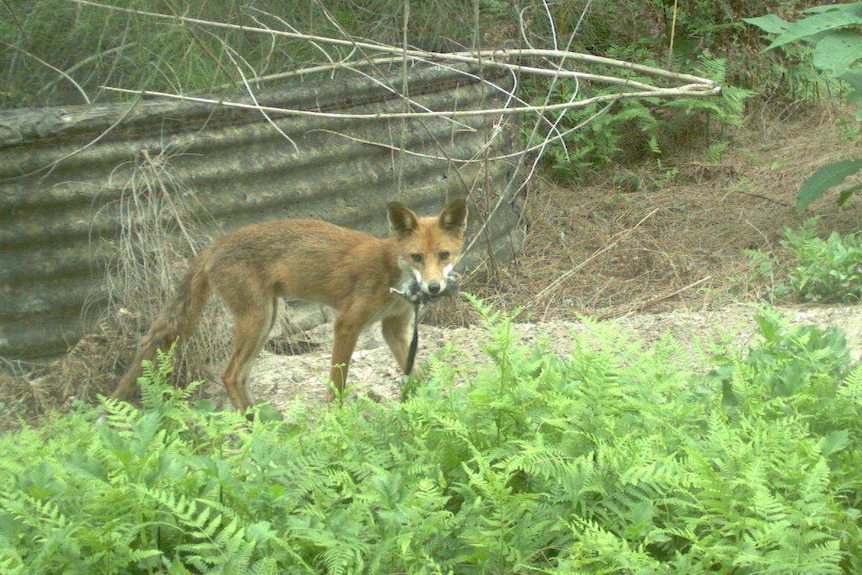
317,262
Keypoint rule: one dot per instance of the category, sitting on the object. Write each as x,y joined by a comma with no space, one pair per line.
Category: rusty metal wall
63,171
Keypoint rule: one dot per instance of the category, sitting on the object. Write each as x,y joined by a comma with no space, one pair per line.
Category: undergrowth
706,38
616,458
600,134
817,270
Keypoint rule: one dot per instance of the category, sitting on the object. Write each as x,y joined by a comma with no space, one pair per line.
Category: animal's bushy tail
177,319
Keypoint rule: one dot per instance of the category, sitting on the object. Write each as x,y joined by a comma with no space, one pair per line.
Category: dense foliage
814,269
827,270
703,37
617,458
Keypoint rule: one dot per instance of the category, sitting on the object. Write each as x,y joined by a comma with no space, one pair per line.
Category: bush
816,270
827,270
617,458
635,129
686,37
822,270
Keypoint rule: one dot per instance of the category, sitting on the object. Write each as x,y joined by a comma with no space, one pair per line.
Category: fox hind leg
253,325
348,326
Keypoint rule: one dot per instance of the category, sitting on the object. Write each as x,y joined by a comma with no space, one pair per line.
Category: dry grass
671,236
163,226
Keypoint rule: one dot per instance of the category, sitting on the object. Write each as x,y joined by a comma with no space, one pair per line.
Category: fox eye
443,256
417,258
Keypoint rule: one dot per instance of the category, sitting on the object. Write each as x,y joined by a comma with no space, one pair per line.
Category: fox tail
177,319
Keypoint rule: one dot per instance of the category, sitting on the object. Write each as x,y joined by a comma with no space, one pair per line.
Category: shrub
632,129
826,271
815,270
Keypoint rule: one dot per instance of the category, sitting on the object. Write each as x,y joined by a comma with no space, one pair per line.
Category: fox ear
453,218
402,221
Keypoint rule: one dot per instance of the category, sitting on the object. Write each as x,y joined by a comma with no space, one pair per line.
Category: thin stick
639,307
233,55
52,67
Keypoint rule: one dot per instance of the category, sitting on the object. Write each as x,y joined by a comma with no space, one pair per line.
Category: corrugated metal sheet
63,170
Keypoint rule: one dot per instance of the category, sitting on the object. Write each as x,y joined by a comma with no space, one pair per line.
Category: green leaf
836,52
835,442
832,7
771,24
266,412
807,27
826,177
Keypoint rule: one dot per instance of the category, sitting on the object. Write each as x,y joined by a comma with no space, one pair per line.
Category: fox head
428,246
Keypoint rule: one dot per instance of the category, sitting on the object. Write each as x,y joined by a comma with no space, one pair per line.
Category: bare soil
649,249
280,379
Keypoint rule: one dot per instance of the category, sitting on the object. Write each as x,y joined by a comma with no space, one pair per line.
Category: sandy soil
279,379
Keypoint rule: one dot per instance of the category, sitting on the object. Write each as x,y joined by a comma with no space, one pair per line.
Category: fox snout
434,287
437,285
448,285
430,287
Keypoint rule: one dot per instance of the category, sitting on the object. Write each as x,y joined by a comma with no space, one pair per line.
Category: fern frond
852,388
11,562
597,550
343,557
120,415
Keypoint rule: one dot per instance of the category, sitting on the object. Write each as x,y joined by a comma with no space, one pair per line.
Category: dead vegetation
671,235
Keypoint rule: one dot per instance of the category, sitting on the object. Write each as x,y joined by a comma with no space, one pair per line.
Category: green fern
618,457
157,389
600,135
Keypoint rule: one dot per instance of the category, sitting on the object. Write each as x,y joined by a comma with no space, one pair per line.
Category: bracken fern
615,458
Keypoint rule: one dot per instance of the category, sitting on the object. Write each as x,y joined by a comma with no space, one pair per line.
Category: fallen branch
693,85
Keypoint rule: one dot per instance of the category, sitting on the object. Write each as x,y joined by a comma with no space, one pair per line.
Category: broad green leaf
824,178
850,6
771,24
835,442
807,27
837,51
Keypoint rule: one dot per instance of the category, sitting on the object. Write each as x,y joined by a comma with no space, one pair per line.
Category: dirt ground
280,379
649,249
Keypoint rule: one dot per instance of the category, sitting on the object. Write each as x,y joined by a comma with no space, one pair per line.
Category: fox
360,276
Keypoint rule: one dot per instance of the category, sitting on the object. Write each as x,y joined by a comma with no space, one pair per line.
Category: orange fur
314,261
